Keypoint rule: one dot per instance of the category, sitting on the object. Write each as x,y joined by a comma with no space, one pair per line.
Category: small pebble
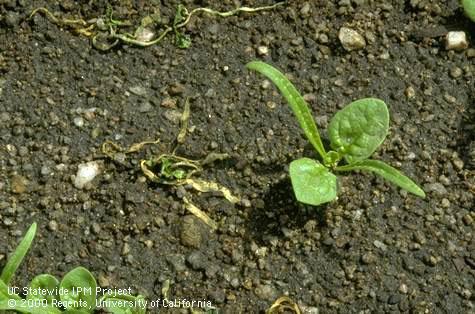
197,260
450,99
403,288
138,90
52,225
351,39
445,203
177,261
380,245
458,163
19,184
168,103
190,234
125,249
262,50
305,10
456,72
266,292
176,89
78,121
467,219
456,41
145,107
86,173
368,258
410,92
103,281
437,188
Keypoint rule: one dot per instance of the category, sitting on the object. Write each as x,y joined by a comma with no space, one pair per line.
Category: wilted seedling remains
355,132
171,169
106,31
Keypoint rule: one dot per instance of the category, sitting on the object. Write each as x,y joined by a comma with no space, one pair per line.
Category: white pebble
78,121
351,39
86,173
144,34
262,50
456,41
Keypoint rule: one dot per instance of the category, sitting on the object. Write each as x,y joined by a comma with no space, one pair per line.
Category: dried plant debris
170,169
106,31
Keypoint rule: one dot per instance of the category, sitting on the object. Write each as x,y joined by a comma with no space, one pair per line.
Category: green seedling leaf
18,255
81,287
312,182
24,307
357,130
75,311
125,304
469,8
13,302
44,282
387,172
295,100
6,294
182,41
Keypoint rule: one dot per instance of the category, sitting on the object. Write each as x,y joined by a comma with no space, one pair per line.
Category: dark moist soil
376,249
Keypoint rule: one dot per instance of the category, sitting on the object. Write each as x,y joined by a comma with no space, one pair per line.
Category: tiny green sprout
355,133
75,294
469,8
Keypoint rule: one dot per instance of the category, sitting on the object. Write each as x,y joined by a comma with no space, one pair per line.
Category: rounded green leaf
312,182
47,283
357,130
81,287
469,8
125,304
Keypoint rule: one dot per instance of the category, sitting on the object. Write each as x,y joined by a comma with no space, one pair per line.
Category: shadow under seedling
355,132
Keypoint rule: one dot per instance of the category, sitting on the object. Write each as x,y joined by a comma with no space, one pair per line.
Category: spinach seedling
469,8
355,132
75,294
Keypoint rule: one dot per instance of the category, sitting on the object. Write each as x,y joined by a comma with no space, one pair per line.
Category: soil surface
376,249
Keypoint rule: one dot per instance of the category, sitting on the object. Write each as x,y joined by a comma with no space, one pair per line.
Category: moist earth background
376,249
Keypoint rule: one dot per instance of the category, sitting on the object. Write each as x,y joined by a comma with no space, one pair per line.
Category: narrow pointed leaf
312,182
295,100
357,130
16,258
387,172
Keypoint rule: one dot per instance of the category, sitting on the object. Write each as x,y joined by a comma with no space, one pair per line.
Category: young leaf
12,302
5,294
82,282
18,255
125,304
295,100
387,172
469,8
357,130
312,182
44,282
24,307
